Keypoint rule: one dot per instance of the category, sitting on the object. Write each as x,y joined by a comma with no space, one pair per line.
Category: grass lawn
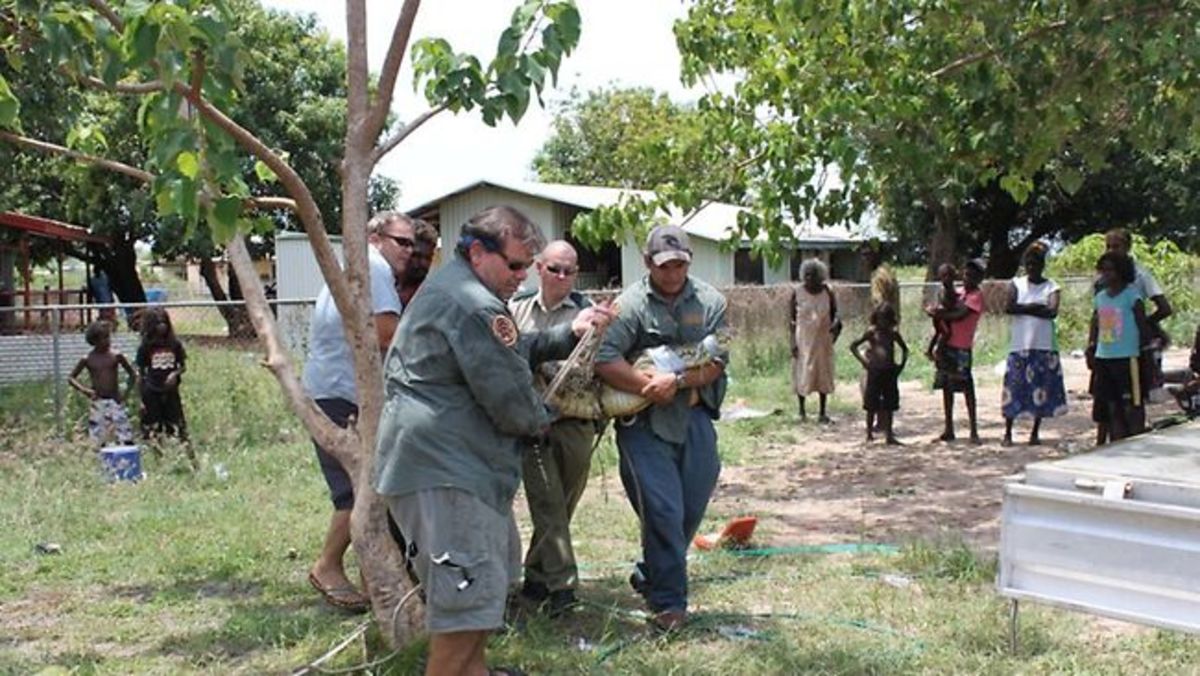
205,572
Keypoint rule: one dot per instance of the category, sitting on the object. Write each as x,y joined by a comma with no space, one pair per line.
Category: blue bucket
121,463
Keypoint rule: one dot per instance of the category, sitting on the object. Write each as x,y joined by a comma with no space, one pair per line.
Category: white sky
624,42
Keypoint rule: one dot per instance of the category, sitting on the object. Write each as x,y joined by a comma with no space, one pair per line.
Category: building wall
456,210
296,271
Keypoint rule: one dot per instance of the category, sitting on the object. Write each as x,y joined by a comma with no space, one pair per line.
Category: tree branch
391,143
305,206
391,70
142,175
337,440
108,13
357,79
963,62
122,87
111,165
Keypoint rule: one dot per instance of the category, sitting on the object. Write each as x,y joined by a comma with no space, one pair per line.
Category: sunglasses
406,242
513,266
561,270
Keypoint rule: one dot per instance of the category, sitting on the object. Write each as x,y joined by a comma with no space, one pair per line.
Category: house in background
554,207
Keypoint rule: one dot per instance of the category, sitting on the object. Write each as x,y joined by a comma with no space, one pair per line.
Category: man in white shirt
329,380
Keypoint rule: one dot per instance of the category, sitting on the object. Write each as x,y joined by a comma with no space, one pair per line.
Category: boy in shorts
107,419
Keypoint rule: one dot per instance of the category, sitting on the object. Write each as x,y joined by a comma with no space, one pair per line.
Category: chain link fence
43,343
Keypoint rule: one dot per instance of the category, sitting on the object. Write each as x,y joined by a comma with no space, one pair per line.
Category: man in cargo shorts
460,399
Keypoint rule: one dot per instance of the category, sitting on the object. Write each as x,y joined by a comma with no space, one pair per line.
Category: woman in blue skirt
1033,382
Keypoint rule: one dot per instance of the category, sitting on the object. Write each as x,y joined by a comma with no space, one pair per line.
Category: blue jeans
669,486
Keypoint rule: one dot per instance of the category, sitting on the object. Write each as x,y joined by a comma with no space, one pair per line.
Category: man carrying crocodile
669,462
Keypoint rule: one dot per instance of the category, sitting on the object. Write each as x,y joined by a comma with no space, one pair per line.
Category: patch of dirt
833,486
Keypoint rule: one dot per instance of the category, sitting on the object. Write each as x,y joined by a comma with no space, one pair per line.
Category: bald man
555,471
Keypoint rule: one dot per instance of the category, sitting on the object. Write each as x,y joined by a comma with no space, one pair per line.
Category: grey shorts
468,555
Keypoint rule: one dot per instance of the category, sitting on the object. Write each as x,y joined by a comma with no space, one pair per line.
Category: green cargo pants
555,475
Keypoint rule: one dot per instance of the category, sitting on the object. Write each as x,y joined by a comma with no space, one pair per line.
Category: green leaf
188,164
10,107
264,173
1069,179
223,218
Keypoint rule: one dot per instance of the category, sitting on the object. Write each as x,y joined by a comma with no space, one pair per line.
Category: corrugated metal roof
714,221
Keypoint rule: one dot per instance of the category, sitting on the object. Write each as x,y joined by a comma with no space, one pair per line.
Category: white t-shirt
1146,283
1029,332
329,371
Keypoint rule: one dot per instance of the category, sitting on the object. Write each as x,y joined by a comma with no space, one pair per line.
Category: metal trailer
1114,532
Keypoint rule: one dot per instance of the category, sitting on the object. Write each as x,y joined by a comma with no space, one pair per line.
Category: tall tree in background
1150,193
186,65
295,99
840,102
627,138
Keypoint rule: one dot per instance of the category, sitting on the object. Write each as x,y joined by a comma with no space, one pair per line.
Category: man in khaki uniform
555,471
460,397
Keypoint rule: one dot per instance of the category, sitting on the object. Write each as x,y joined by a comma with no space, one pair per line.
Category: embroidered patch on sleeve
505,330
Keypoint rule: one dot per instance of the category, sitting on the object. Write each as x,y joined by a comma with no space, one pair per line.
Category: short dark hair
1123,265
97,331
494,226
1036,250
425,232
1121,233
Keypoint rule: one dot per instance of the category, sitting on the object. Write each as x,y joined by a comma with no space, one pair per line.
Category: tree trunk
120,264
944,240
381,561
237,319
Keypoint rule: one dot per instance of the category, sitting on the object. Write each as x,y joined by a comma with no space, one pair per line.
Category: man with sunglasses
555,471
329,380
460,399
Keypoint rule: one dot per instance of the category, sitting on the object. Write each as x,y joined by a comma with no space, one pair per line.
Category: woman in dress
815,327
1033,382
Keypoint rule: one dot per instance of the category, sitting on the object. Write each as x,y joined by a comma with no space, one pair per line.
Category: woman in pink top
954,369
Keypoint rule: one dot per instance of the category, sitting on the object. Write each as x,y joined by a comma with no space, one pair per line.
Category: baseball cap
668,243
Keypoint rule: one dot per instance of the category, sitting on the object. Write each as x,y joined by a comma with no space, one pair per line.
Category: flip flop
345,597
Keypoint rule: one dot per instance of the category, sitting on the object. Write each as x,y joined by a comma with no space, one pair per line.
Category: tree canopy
186,65
841,104
624,138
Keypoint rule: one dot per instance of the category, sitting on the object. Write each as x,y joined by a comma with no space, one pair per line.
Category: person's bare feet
976,440
1006,442
893,441
1035,441
946,437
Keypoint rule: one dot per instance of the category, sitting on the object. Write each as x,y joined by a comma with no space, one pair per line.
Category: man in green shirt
460,398
555,471
669,462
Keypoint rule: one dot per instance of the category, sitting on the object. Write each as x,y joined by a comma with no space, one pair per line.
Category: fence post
55,326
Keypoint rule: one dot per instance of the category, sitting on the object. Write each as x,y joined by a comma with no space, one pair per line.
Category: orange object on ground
735,535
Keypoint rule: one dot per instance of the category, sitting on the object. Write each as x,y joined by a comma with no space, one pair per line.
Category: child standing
1115,338
107,419
815,327
947,301
954,364
881,398
161,361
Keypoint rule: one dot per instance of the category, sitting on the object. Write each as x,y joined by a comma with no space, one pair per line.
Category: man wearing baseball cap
669,463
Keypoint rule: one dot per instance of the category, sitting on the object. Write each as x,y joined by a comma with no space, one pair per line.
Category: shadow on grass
249,628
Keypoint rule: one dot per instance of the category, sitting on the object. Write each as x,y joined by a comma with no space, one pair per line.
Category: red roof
51,229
